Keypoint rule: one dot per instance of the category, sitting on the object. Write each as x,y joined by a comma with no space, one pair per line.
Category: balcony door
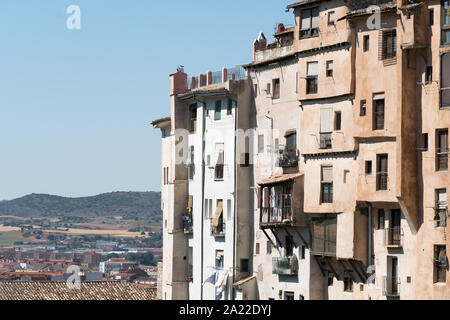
394,273
395,227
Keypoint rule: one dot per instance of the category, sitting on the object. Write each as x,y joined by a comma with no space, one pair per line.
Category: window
445,80
244,265
441,208
368,168
348,282
276,89
166,176
268,90
366,43
331,18
389,45
219,259
220,161
261,143
446,22
303,253
425,142
191,166
291,142
429,75
230,107
257,248
330,68
309,24
382,172
193,118
229,209
311,77
380,219
378,112
326,128
288,295
289,247
337,120
245,161
363,108
431,17
440,264
218,110
269,247
442,150
255,90
327,184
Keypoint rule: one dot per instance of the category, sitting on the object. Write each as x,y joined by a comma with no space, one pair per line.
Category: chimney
233,76
224,75
178,82
192,83
201,80
209,77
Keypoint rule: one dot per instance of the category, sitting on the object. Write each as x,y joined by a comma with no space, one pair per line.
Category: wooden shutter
327,174
326,120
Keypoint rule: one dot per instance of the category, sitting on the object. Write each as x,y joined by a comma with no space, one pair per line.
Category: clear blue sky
76,105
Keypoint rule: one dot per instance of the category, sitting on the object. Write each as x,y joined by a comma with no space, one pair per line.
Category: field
7,239
8,229
112,233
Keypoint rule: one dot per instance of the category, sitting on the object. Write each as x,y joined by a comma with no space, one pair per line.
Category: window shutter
315,18
312,69
327,174
306,20
326,120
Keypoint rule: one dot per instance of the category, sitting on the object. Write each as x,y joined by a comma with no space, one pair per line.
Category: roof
244,281
157,122
301,3
362,11
112,290
280,178
213,90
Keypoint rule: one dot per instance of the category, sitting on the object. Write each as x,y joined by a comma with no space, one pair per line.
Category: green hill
129,205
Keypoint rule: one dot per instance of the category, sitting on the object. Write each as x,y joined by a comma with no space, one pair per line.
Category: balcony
326,141
287,266
288,159
219,231
391,287
280,214
393,237
187,223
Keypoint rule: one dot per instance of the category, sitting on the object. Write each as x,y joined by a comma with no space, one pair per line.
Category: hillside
129,205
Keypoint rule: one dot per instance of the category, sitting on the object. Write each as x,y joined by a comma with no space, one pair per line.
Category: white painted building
206,194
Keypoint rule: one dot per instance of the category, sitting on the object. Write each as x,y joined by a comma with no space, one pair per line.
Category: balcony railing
391,287
188,223
282,213
287,266
382,181
288,159
219,231
393,237
326,141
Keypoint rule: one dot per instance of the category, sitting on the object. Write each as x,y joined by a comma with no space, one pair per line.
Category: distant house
115,265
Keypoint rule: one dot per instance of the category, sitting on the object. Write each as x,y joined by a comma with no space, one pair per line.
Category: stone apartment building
348,156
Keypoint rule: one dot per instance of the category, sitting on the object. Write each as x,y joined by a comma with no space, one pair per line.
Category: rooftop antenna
180,68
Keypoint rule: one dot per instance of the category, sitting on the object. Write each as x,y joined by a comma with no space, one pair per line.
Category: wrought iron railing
393,237
278,214
219,231
285,265
391,286
188,223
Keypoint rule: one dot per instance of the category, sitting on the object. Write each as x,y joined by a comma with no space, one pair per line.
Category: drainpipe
369,236
271,143
233,293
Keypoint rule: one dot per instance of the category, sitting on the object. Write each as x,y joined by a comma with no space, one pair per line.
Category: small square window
363,108
337,121
368,167
330,68
331,18
429,75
